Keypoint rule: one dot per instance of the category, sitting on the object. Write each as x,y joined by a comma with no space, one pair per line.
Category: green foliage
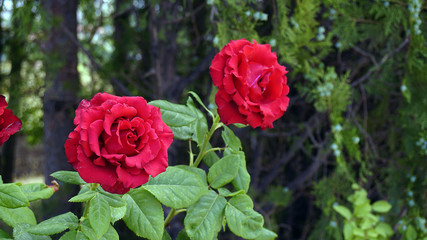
237,21
356,68
186,122
362,223
12,196
99,215
68,177
55,225
242,219
204,219
144,214
177,188
224,171
36,191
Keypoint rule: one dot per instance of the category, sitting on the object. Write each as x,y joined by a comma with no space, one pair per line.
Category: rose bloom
9,123
118,142
251,84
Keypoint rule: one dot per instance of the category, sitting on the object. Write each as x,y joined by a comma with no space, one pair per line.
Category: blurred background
358,109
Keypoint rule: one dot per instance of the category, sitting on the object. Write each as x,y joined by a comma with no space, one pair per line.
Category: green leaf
111,234
198,171
87,230
227,193
224,171
343,211
4,234
36,191
182,235
176,187
113,200
90,233
178,117
242,219
99,215
381,206
82,236
1,180
358,232
240,125
372,234
174,114
359,197
70,235
368,221
211,157
117,213
411,233
56,224
182,133
348,230
384,230
144,214
203,219
20,233
12,196
200,126
201,102
83,197
68,177
231,140
14,216
267,235
166,236
363,209
242,179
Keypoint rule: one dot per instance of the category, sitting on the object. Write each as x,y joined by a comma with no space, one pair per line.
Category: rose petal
92,173
118,110
130,180
10,125
71,148
158,166
94,132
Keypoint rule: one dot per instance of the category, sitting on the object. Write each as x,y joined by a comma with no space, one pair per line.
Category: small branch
190,15
184,82
94,63
309,172
366,54
277,166
366,134
377,67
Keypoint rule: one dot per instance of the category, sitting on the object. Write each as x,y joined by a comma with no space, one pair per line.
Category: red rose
118,142
251,84
9,123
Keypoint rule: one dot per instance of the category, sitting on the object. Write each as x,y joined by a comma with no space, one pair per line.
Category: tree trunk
62,84
16,55
122,37
163,37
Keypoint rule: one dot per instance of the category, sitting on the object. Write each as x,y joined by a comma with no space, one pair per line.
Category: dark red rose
251,84
9,123
118,142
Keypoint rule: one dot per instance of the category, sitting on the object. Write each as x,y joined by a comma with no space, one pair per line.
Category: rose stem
172,214
205,143
191,153
93,187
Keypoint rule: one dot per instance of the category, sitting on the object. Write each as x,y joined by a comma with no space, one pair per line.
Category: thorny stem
208,136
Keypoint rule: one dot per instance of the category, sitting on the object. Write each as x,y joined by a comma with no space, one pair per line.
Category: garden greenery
357,116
